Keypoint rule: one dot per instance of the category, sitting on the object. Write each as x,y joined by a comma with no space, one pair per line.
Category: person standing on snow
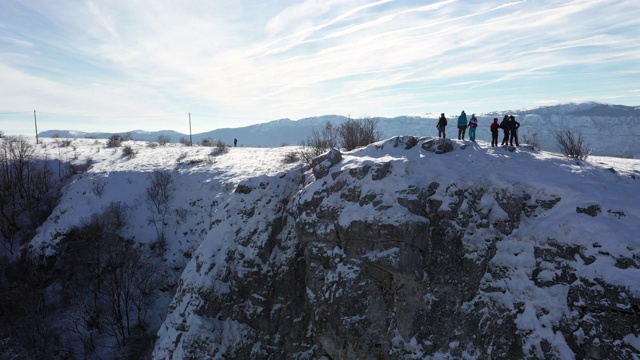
505,128
442,123
513,130
473,124
462,125
495,127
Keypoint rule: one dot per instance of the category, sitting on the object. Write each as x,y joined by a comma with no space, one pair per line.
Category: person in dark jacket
495,128
513,130
442,124
462,125
504,125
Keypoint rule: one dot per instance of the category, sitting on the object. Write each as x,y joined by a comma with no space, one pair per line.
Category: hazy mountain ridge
611,130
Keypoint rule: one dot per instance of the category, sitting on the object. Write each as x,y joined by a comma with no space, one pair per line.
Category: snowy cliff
417,248
410,248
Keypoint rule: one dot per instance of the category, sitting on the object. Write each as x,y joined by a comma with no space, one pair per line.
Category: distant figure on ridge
473,124
442,124
513,130
505,128
495,128
462,125
235,142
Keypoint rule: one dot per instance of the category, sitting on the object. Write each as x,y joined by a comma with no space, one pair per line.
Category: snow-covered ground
203,182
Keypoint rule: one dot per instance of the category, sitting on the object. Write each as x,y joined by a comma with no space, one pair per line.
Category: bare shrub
98,186
80,168
152,145
128,152
114,141
63,142
319,142
532,139
291,157
163,140
208,142
362,132
220,147
572,145
184,141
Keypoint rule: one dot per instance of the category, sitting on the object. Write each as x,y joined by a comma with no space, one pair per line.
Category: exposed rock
324,162
591,210
438,146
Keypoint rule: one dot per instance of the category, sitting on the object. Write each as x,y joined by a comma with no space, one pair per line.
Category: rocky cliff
417,248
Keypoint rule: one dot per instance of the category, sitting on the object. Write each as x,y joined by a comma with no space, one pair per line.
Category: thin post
35,120
190,139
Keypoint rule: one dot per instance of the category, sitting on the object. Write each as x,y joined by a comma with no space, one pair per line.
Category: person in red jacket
495,128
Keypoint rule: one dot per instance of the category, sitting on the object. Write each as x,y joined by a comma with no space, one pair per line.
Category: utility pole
190,139
36,122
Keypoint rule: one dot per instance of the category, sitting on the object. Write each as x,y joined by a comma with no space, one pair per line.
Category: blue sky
124,65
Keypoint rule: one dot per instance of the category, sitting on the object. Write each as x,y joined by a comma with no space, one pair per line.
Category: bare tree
572,145
113,283
28,190
159,195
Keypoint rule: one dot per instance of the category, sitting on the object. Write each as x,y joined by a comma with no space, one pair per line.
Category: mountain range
611,130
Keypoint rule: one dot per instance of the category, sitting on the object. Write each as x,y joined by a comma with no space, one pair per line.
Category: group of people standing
509,126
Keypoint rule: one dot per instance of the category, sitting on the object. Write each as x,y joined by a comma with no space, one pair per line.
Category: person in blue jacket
462,125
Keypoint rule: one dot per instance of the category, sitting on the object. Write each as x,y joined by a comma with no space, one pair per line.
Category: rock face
366,258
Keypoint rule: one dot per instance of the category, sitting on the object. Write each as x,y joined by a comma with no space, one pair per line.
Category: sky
198,65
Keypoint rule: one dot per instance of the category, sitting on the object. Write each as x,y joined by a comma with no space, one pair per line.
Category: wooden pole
35,120
190,138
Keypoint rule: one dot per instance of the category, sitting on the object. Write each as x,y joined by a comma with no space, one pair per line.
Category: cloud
250,61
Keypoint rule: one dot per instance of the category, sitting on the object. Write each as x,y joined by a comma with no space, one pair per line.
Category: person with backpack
442,124
495,128
504,125
462,125
473,124
513,130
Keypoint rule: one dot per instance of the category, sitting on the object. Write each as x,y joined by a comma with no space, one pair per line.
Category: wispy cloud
251,61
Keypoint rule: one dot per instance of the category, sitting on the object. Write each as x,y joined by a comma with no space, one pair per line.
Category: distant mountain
612,130
134,134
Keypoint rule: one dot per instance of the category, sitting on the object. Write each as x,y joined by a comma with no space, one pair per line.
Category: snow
205,185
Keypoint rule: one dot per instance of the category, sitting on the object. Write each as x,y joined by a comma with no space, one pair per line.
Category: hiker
235,142
495,127
504,125
462,125
473,124
442,123
513,130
